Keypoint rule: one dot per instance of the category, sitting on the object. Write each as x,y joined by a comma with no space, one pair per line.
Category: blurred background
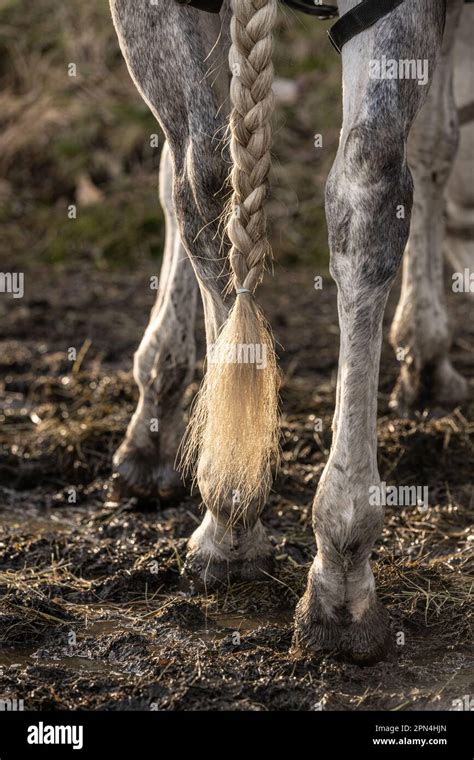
85,139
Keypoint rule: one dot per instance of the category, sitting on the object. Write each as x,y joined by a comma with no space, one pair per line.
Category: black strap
321,10
351,23
361,17
211,6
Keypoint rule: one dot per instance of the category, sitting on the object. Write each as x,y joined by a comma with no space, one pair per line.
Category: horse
385,196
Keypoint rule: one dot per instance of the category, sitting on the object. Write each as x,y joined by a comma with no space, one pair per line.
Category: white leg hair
368,186
163,367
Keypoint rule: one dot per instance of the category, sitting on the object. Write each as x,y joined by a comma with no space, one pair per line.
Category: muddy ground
94,613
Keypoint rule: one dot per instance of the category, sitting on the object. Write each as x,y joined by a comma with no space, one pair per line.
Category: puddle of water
39,523
24,658
247,623
14,657
219,626
216,628
99,627
29,525
77,664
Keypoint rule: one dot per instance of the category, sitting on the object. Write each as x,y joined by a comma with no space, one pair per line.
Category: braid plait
232,441
252,99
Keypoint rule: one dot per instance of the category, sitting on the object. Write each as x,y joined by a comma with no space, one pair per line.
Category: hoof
210,572
218,556
138,472
369,640
440,387
317,639
363,642
314,635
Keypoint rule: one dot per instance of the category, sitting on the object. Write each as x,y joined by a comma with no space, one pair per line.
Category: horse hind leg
144,463
420,333
459,245
177,57
368,185
165,49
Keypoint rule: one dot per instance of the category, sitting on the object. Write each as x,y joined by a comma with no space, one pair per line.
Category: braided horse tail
233,431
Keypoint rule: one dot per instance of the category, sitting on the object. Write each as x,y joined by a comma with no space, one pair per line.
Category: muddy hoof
315,639
314,636
362,643
219,555
139,473
368,641
209,572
